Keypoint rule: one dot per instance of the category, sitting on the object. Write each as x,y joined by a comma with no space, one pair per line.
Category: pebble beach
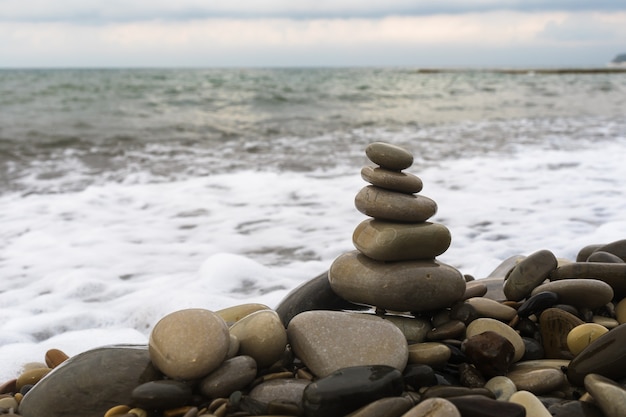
499,302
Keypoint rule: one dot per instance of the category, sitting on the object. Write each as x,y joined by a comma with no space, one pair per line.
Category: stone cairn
394,266
538,337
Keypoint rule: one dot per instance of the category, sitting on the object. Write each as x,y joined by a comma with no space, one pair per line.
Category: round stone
31,377
398,286
433,407
233,314
429,353
402,182
389,156
617,248
414,329
189,344
502,387
90,383
233,375
582,335
388,241
161,394
614,274
605,356
528,274
487,324
533,405
262,336
493,309
390,205
585,252
581,292
620,311
327,341
604,257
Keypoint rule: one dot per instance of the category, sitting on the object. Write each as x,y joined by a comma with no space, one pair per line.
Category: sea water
129,194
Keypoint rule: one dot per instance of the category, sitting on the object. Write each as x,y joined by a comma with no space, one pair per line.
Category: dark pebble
537,303
418,376
575,409
491,353
161,394
533,349
601,256
481,406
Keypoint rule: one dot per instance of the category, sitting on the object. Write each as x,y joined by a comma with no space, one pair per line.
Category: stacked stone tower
394,267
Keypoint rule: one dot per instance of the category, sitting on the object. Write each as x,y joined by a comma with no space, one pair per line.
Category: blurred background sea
126,194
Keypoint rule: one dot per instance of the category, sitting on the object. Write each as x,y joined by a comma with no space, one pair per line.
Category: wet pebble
402,182
491,353
610,397
481,406
582,335
419,375
537,303
234,374
528,274
487,324
161,394
393,206
581,292
613,274
429,353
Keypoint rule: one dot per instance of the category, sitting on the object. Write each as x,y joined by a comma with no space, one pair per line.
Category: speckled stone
402,182
449,330
609,396
614,274
189,344
605,356
389,156
528,274
487,324
262,336
433,407
393,206
280,390
581,292
90,383
582,335
533,405
414,329
408,285
234,374
389,241
319,339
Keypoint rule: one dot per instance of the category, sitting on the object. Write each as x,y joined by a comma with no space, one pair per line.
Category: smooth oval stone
90,383
429,353
189,344
393,206
582,335
387,241
494,287
487,324
537,380
349,389
449,330
585,252
55,357
414,329
575,409
555,325
406,286
280,390
491,353
7,403
607,322
605,356
502,387
262,336
491,308
610,396
614,274
31,377
389,156
449,391
537,303
433,407
419,375
385,407
402,182
604,257
235,313
481,406
528,274
161,394
233,375
616,248
533,405
477,289
327,341
620,311
314,294
589,293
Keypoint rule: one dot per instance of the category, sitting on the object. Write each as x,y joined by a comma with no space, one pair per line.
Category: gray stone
88,384
528,274
402,182
327,341
588,293
610,396
398,286
486,307
262,336
604,257
389,156
233,375
280,390
433,407
613,274
616,248
385,407
389,241
390,205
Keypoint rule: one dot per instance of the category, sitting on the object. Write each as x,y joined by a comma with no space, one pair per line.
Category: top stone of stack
389,156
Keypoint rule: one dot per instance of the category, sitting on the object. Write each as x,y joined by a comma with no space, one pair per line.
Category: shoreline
524,71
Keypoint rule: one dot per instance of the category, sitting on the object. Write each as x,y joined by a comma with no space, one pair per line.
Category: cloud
579,28
102,11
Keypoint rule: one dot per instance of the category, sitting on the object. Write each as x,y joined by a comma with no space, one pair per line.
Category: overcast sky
270,33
